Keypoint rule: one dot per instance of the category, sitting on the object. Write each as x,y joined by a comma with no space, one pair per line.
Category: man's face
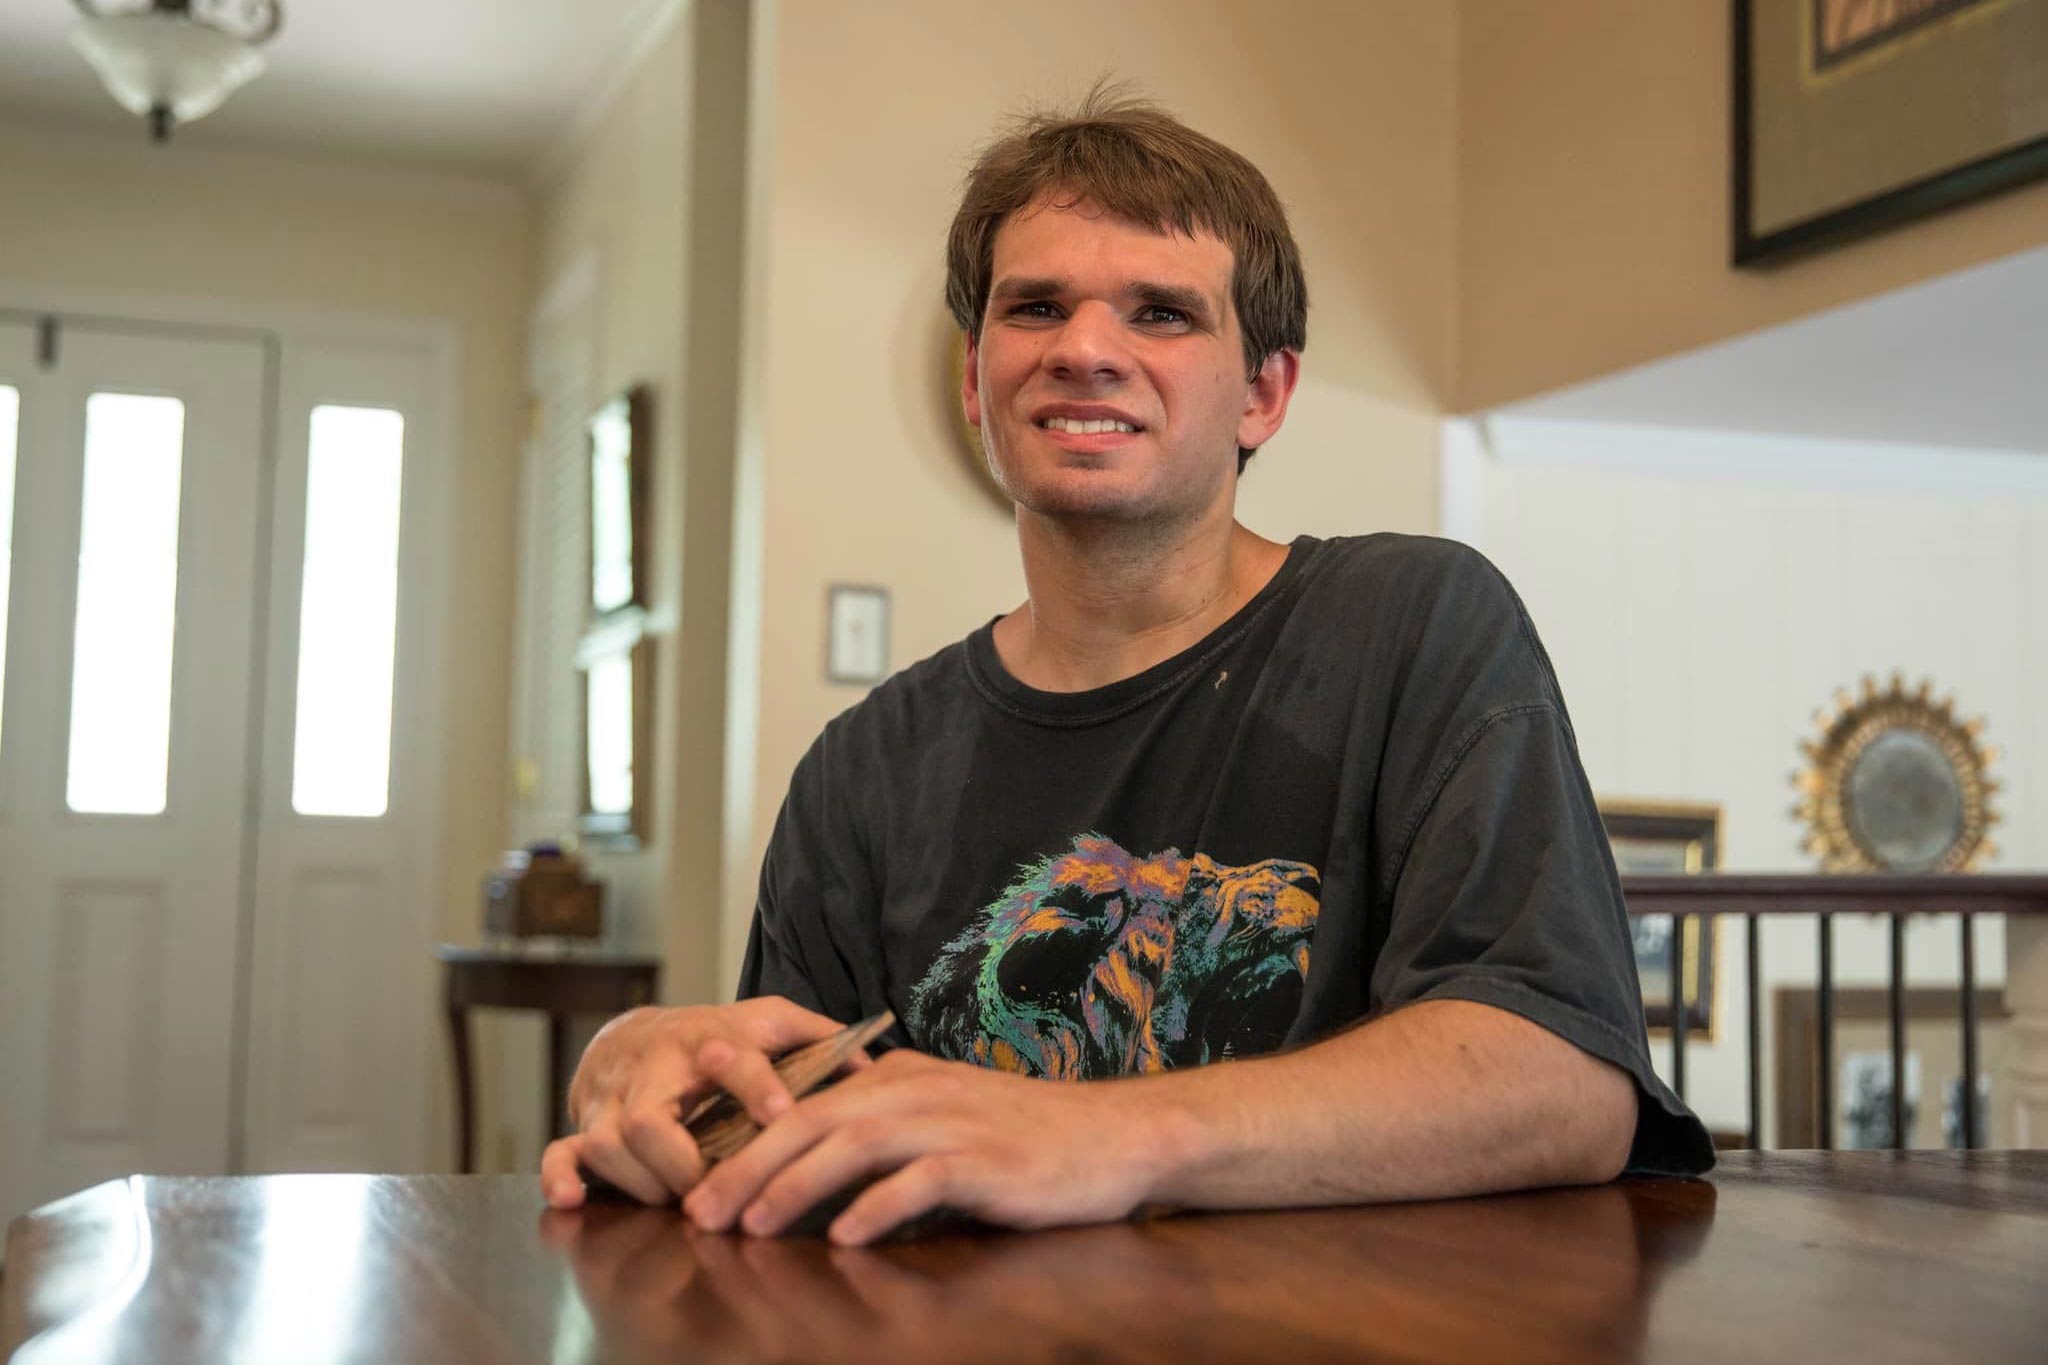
1109,378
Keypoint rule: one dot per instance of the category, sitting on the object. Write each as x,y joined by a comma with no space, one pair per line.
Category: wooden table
562,987
1865,1256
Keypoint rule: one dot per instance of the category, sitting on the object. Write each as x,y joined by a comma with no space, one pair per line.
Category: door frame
419,778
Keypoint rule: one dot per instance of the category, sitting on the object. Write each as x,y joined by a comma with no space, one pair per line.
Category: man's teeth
1085,428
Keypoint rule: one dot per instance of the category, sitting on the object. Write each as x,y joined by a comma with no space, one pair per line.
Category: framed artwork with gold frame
1664,838
1852,116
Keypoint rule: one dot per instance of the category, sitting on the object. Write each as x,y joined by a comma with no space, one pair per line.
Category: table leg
558,1079
465,1097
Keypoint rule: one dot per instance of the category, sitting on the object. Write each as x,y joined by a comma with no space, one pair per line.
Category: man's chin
1105,506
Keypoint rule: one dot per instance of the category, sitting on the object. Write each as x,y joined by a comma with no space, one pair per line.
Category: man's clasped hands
927,1133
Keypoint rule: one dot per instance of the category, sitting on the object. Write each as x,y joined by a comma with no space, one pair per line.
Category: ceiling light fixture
173,61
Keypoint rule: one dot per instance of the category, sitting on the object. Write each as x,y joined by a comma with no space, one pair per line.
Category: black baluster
1678,1009
1898,1010
1969,1099
1825,1080
1756,1042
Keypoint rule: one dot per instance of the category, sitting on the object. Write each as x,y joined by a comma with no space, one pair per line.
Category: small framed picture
1664,839
856,634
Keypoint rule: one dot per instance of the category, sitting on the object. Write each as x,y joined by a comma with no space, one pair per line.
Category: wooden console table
562,987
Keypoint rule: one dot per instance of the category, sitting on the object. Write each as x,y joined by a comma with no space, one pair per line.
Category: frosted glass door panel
348,612
127,605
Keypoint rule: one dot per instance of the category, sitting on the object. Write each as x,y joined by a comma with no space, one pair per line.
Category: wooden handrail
1815,893
1753,895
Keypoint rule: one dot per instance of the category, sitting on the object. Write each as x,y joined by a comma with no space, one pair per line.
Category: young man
1282,855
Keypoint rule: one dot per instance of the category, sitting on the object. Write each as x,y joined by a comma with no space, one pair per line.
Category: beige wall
653,197
1593,200
650,201
1350,109
617,205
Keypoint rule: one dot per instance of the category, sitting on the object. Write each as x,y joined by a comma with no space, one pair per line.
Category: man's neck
1108,603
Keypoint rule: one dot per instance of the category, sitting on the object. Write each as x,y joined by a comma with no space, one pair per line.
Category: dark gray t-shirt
1359,792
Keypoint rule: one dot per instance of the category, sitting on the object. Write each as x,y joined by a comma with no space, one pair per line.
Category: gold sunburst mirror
1896,783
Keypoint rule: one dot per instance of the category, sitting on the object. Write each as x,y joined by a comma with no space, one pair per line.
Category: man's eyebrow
1191,301
1016,287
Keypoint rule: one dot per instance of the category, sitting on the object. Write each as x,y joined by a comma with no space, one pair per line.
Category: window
609,718
348,613
120,743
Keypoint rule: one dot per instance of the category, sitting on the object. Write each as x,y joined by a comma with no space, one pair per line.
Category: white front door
125,831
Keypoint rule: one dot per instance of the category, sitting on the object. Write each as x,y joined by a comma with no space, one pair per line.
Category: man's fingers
559,1182
748,1075
842,1158
776,1024
654,1134
889,1203
733,1182
604,1151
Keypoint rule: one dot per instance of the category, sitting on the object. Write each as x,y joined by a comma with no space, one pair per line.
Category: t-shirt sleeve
1507,896
814,921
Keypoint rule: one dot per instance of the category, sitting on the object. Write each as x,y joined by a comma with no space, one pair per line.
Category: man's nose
1089,346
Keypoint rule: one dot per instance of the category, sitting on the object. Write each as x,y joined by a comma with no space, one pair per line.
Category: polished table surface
1802,1256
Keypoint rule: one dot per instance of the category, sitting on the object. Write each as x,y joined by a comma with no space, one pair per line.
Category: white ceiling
1959,361
472,86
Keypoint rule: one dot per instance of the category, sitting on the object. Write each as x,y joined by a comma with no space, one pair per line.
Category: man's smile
1086,427
1080,427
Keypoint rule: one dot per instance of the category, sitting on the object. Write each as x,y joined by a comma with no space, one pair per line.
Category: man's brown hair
1136,161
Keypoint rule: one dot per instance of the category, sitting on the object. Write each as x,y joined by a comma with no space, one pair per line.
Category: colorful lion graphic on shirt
1096,962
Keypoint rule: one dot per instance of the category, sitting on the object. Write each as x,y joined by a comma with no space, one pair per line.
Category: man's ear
970,380
1265,403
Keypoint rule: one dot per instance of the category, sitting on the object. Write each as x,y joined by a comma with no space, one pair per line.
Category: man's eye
1158,314
1038,308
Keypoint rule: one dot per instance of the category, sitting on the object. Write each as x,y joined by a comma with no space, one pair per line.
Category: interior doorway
213,911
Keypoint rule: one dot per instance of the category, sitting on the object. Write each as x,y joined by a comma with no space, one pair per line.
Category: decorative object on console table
1660,837
1896,784
541,891
1852,116
620,434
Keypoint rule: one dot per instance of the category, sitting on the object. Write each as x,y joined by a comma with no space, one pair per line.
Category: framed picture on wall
1664,839
1852,115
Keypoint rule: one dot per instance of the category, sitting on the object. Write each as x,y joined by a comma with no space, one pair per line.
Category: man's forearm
1441,1099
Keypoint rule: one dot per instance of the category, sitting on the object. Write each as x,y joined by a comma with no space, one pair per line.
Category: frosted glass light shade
150,61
